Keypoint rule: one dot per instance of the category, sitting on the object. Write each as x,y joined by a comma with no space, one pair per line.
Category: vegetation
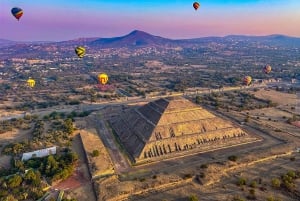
95,153
237,198
21,123
276,183
60,133
232,158
25,179
242,181
237,101
193,198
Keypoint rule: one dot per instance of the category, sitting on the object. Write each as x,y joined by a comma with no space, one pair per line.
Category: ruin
171,127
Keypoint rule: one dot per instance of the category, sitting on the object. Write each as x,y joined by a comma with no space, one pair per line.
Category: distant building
39,153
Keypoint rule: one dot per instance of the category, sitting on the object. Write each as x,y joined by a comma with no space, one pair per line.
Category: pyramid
170,127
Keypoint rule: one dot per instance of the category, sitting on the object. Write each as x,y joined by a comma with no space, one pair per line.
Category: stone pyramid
173,126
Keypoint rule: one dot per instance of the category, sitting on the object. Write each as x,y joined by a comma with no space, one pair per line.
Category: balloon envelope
267,69
103,78
247,80
30,82
80,51
17,12
196,5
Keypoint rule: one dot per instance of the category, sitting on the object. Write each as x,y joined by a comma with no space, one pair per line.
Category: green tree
193,198
95,153
68,126
14,181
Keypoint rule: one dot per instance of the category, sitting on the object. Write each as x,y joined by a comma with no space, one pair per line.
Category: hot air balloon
247,80
267,69
102,78
196,5
80,51
17,12
30,82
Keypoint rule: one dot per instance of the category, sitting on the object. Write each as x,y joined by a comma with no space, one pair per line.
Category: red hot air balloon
267,69
17,12
196,5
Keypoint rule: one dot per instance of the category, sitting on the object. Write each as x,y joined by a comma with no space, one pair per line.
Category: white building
39,153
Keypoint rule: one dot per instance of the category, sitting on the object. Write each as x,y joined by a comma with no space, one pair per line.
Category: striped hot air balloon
267,69
196,5
17,12
103,78
247,80
80,51
31,82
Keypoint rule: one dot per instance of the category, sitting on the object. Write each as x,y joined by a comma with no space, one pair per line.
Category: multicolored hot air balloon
31,82
196,5
247,80
80,51
103,78
17,12
267,69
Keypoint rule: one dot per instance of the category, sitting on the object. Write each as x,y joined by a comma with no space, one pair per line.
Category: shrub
242,181
204,166
232,158
193,198
187,176
95,153
276,183
253,184
237,198
291,174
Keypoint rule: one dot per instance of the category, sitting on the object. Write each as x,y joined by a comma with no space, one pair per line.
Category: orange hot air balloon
17,12
247,80
196,5
103,78
267,69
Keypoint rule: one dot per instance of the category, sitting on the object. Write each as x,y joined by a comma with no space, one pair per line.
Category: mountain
137,39
4,42
134,39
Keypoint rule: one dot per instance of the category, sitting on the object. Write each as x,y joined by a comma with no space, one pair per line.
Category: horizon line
98,37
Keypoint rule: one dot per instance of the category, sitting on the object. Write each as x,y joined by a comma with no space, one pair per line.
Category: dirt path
119,161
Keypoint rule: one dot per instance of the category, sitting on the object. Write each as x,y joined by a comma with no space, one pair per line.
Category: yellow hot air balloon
103,78
80,51
30,82
247,80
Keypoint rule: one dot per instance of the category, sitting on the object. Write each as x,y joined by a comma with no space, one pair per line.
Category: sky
58,20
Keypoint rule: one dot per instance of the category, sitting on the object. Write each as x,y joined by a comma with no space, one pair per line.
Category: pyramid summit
170,127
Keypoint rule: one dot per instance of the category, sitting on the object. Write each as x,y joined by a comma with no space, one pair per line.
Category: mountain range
137,39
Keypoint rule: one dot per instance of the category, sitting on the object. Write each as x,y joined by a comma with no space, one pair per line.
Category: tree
95,153
14,181
193,198
68,126
10,197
